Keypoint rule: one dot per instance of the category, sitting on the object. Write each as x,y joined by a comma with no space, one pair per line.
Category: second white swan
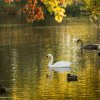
60,64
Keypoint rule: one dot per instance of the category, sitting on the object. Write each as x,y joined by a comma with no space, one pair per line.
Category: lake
24,65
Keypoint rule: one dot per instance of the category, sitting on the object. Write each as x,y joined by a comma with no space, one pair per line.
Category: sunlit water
24,65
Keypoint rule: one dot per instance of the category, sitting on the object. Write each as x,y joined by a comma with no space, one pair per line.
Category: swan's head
68,75
49,55
79,40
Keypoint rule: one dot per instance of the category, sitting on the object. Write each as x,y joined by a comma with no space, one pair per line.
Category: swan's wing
91,47
60,69
61,64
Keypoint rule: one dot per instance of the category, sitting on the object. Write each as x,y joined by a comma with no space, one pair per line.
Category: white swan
60,64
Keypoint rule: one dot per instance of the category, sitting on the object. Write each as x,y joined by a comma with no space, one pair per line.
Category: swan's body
72,77
89,46
60,64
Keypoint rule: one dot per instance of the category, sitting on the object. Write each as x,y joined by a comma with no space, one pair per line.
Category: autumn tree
93,6
34,9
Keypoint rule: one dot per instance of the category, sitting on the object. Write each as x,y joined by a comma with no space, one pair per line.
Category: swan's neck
50,62
81,44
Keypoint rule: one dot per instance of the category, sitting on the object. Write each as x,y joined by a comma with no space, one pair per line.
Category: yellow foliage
57,7
58,18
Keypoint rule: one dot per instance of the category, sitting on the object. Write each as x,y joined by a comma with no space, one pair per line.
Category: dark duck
3,90
71,77
89,46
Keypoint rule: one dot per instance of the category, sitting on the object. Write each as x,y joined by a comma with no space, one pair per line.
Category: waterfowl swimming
3,90
89,46
72,77
60,64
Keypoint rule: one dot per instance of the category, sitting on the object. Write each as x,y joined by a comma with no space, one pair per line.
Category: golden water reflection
24,67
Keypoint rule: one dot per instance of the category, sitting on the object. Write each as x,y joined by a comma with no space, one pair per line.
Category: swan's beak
78,41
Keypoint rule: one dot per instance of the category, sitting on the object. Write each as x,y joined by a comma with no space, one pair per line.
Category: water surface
24,65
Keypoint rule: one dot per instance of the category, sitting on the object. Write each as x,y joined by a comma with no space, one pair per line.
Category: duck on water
71,77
